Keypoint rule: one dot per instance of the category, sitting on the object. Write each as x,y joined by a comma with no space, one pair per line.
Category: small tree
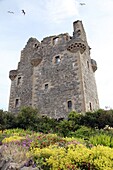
27,118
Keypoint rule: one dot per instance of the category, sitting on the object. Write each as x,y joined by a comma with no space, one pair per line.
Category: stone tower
56,75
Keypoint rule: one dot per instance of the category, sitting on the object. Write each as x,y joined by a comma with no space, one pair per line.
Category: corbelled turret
78,41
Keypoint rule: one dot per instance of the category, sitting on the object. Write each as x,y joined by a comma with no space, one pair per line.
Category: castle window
90,106
46,86
69,104
19,81
16,102
36,46
88,64
55,41
57,59
78,33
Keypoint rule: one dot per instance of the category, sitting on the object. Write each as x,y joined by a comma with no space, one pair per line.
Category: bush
46,124
27,118
73,157
102,139
84,132
99,119
7,120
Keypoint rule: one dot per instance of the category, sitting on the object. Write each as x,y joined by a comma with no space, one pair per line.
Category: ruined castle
56,75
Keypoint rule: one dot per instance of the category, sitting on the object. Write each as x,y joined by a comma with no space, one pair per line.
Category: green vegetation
52,152
81,142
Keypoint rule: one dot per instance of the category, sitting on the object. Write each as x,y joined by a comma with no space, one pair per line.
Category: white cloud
60,10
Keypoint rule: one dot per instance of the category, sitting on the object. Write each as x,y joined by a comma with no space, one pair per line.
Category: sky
44,18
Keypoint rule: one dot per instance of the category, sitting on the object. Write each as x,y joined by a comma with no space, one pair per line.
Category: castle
56,75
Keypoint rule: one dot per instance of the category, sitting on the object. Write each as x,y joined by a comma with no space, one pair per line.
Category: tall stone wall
21,85
56,75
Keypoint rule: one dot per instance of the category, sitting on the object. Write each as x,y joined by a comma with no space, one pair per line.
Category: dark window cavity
16,102
19,80
90,106
55,41
57,59
70,104
88,64
36,46
46,86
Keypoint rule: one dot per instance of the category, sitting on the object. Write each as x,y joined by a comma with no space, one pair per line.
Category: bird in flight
23,12
82,4
11,12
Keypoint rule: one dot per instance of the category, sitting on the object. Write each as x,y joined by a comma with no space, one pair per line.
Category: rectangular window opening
70,104
16,102
90,106
57,59
19,80
88,64
46,86
55,41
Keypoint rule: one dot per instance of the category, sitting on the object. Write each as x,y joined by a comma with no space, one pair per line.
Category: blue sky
51,17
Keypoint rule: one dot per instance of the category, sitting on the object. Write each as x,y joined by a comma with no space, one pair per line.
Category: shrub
102,139
27,118
12,139
73,157
84,132
99,118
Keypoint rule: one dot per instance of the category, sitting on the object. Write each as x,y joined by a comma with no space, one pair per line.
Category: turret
78,41
12,74
94,65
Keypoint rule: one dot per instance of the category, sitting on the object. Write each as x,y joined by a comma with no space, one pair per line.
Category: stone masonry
56,75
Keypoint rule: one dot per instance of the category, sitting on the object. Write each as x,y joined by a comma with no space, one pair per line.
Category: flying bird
82,4
11,12
23,12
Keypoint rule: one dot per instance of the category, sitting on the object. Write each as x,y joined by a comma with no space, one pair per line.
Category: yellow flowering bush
76,157
17,132
12,139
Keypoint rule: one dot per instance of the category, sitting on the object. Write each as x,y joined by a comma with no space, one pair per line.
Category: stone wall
56,75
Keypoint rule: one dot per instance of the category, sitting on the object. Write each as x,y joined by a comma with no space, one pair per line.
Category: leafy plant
102,139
